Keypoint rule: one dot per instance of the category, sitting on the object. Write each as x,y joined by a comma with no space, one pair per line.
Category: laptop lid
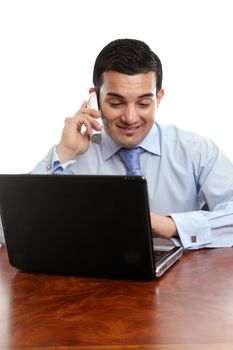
78,225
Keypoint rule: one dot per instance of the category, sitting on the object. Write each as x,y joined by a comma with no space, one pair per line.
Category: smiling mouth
128,128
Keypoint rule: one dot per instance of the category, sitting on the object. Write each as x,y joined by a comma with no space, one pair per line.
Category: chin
129,140
128,143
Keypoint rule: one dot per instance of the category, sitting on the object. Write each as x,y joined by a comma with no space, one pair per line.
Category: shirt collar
151,143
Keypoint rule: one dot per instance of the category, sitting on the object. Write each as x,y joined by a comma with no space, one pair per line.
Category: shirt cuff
193,229
56,167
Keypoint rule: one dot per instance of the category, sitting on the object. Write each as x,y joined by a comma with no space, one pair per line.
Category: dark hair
127,56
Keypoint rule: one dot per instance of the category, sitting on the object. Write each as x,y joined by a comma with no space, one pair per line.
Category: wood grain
190,307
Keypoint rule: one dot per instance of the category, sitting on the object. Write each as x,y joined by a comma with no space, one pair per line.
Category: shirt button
193,239
49,167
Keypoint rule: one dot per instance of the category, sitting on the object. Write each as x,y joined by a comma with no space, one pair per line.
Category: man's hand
163,226
73,141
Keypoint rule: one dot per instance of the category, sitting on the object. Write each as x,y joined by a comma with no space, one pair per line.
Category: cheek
148,115
109,114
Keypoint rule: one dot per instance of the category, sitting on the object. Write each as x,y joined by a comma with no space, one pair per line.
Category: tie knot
130,157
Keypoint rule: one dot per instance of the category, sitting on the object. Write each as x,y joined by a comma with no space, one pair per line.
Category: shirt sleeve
51,164
199,229
193,229
214,228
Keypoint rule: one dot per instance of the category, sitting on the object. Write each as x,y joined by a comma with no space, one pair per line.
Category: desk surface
190,307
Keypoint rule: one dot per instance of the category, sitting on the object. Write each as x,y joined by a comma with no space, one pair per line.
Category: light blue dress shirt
183,171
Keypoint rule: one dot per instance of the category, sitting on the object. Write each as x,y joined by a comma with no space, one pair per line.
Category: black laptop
81,225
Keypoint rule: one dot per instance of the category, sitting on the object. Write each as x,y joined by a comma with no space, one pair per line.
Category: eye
144,104
115,103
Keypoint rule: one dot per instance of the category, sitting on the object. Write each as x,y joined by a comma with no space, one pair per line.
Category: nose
130,115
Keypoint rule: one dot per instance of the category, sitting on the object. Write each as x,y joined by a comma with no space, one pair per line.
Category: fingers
89,111
83,123
86,120
86,112
77,132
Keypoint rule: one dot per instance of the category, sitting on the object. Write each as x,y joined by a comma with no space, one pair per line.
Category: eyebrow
149,94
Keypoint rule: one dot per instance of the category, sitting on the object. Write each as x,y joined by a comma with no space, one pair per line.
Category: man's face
128,104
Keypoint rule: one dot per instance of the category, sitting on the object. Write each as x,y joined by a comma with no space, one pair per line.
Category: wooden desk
190,307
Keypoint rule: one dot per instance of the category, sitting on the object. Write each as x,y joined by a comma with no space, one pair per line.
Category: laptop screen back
78,225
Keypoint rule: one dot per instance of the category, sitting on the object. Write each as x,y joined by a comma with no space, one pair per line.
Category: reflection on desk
190,307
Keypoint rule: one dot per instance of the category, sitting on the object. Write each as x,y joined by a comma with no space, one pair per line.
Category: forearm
163,226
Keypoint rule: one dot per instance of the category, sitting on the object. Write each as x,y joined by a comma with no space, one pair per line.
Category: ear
159,96
92,89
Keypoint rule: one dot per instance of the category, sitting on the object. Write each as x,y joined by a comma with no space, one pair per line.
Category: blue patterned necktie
130,157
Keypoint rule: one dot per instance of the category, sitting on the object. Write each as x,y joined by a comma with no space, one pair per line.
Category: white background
47,52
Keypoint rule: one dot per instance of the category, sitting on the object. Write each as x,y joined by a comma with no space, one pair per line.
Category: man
183,170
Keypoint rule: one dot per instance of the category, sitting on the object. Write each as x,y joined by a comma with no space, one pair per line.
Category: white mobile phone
93,103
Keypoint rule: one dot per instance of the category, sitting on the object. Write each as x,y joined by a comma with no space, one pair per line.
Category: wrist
64,154
172,226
